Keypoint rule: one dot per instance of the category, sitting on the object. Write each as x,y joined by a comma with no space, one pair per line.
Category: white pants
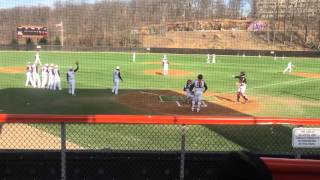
242,89
44,80
36,80
72,86
196,101
51,82
208,61
165,69
287,69
116,86
57,83
29,79
213,60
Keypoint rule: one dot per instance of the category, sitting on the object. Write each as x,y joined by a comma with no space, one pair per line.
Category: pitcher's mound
172,72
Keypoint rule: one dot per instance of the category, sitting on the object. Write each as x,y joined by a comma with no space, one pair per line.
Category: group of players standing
195,89
50,75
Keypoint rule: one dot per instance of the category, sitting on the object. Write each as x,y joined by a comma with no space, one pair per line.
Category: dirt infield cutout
306,74
12,70
20,136
216,104
172,72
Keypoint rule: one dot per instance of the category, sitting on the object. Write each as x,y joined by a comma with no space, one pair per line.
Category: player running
242,86
116,80
289,68
71,79
199,87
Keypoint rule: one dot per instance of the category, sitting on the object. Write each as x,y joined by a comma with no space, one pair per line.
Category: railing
157,134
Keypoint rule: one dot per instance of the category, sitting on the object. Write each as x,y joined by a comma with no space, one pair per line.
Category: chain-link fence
150,151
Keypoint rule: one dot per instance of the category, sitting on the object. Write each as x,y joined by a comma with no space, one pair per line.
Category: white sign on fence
306,137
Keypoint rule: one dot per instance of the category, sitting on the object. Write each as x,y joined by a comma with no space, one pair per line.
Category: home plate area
181,101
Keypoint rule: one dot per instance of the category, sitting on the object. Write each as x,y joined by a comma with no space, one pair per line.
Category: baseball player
199,87
35,76
57,79
51,75
44,75
37,56
189,93
29,74
116,80
289,68
213,59
242,86
71,79
134,57
208,59
165,65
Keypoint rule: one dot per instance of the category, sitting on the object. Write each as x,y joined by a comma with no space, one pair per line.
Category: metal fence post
63,151
183,151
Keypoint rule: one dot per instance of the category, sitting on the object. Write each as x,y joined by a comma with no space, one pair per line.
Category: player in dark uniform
189,93
242,86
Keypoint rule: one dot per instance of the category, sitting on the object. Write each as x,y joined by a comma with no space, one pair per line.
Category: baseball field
145,90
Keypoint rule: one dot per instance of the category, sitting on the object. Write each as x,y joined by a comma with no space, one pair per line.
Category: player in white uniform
37,57
134,57
71,79
57,79
35,76
213,59
116,80
50,77
165,64
208,59
29,74
44,75
288,68
199,87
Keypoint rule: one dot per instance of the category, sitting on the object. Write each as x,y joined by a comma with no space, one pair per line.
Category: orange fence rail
154,119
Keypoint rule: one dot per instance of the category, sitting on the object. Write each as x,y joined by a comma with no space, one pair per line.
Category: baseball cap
118,67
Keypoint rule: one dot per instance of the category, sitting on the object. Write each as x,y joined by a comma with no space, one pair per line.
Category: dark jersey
242,79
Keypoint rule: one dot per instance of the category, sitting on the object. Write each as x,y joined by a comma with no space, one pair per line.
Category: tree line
111,23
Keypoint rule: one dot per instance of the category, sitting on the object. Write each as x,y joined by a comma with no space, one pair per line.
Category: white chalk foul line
178,104
143,92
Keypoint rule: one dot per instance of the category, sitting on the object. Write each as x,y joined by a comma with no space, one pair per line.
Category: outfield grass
281,96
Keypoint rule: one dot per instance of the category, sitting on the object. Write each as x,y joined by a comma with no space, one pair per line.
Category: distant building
281,8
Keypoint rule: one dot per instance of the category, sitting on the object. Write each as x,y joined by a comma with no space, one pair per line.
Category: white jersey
50,72
34,68
199,85
37,57
44,71
56,72
29,68
165,64
290,65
